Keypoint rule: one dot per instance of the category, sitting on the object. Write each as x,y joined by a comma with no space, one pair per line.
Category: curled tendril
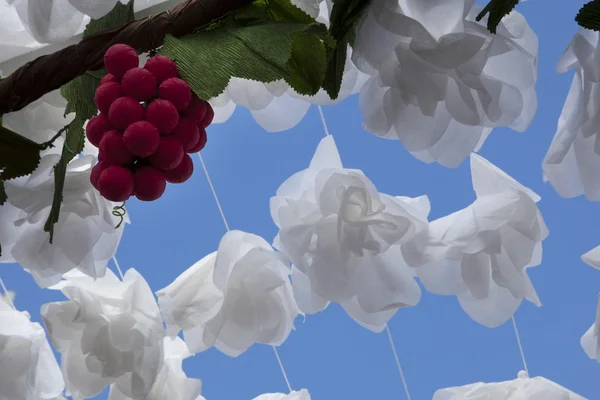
119,211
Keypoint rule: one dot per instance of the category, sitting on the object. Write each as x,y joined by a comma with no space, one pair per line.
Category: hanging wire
387,329
214,192
118,267
389,334
520,345
5,291
323,121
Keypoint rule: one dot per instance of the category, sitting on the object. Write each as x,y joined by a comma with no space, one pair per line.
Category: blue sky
438,344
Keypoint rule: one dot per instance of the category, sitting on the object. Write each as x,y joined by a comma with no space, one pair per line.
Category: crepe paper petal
41,120
481,253
233,298
108,332
345,240
192,299
439,81
523,387
592,258
28,368
294,395
172,382
574,154
85,238
590,341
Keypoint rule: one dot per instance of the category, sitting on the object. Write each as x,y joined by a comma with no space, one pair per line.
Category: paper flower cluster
28,369
108,332
276,106
481,253
439,80
344,239
56,21
523,387
85,236
573,159
233,298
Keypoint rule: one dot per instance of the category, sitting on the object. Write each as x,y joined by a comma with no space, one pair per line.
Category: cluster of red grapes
149,119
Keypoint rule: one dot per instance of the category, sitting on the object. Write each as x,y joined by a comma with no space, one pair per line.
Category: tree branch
50,72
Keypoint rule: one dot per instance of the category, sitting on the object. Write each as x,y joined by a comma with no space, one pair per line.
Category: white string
520,345
287,381
7,295
118,267
327,133
323,121
214,192
387,329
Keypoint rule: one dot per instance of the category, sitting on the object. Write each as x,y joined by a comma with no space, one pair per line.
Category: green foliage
265,41
19,156
344,17
588,16
79,94
497,9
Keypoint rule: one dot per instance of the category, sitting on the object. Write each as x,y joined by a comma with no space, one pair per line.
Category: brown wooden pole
50,72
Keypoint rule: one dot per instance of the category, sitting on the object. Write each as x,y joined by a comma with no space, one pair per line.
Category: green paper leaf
497,9
3,197
79,94
306,77
260,50
19,156
344,17
588,16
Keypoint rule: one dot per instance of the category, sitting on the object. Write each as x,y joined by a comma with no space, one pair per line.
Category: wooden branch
50,72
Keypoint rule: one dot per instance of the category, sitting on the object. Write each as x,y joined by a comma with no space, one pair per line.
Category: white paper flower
439,80
521,388
590,341
41,120
275,106
14,37
28,369
573,159
171,382
233,298
294,395
481,253
108,332
85,236
344,239
592,258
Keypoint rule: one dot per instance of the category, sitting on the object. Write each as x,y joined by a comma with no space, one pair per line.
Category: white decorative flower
108,332
54,21
85,236
439,80
233,298
276,106
28,369
573,159
171,382
521,388
345,240
295,395
481,253
41,120
14,37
